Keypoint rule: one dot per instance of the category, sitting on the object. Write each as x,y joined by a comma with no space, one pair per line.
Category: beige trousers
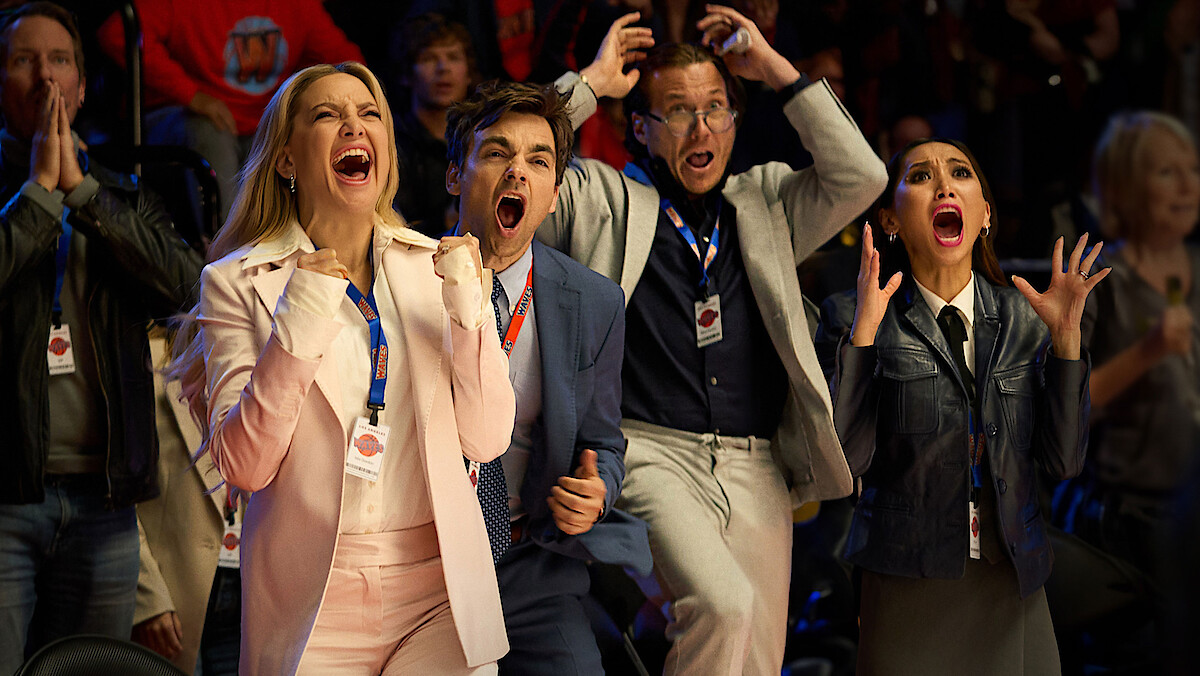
721,534
386,611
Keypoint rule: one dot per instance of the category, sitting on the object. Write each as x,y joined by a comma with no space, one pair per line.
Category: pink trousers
386,611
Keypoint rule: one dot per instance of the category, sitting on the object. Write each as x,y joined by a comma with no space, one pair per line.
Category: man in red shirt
211,67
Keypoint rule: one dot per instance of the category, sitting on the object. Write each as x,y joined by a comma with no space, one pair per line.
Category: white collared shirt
964,302
400,498
525,374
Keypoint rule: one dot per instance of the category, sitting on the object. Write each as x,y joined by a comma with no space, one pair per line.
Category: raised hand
1061,306
46,155
760,62
577,501
325,262
70,175
622,45
449,262
872,300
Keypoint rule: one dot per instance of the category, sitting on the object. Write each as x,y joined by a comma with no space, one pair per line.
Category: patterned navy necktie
493,490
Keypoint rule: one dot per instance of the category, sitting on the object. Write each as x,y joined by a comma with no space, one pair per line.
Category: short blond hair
1119,160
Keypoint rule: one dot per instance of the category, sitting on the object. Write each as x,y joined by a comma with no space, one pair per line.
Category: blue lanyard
60,270
686,232
975,442
379,349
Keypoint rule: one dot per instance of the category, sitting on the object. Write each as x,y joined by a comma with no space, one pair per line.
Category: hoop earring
891,237
987,229
292,184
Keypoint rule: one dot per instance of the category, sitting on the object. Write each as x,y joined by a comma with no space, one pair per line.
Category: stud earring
292,184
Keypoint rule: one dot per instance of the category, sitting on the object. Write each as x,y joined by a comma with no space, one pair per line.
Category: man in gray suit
724,404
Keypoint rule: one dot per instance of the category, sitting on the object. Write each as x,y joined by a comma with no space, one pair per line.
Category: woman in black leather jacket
943,419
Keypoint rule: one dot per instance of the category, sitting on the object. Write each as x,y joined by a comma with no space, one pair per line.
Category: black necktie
955,331
493,490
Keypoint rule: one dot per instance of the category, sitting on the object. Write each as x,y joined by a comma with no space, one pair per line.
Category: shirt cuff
795,88
304,320
83,192
51,201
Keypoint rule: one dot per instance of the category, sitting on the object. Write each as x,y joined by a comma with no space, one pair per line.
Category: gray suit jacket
606,220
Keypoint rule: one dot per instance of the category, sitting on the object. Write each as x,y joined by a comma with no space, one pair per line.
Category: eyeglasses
682,122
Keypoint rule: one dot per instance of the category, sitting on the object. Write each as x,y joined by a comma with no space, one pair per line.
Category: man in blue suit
563,327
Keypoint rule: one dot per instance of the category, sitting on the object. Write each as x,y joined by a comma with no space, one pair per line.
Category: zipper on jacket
103,395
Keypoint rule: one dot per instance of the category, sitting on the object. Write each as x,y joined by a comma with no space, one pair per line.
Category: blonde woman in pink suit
321,320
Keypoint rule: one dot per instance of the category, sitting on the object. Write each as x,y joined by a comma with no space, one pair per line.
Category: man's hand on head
45,155
760,62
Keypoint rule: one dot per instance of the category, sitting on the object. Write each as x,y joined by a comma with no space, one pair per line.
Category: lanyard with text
707,311
686,232
368,441
518,315
975,441
60,353
379,348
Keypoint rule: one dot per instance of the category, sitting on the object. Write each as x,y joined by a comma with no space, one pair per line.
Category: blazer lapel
417,295
556,311
642,220
987,330
269,286
920,318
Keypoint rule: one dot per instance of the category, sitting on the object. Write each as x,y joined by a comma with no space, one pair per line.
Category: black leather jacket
138,269
901,410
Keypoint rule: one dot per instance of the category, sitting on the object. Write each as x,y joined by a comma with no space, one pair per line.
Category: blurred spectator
1181,94
210,67
1039,100
89,258
520,40
189,590
1146,384
437,65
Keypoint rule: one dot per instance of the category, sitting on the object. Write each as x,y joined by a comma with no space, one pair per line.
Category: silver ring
1083,274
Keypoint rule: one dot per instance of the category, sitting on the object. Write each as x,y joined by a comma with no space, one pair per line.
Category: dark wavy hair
893,258
491,101
675,55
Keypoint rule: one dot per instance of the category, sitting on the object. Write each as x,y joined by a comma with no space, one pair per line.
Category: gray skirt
976,626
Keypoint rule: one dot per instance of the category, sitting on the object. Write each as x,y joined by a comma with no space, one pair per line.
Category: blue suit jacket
580,319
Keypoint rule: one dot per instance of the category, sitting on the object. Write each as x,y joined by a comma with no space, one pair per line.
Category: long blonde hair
262,210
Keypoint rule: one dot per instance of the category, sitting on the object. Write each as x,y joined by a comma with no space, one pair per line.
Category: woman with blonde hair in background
1140,329
342,363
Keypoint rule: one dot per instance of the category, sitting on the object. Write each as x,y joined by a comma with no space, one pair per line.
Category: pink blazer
276,434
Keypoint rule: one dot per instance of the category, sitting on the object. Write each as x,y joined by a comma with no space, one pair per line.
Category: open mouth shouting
948,225
510,209
700,160
353,165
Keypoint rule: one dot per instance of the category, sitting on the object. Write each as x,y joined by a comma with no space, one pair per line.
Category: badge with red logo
974,532
231,546
708,321
368,443
473,474
60,352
